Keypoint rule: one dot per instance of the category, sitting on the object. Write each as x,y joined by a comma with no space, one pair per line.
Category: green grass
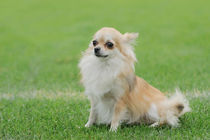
55,119
41,43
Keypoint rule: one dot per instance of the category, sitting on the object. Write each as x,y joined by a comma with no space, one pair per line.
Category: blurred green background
41,41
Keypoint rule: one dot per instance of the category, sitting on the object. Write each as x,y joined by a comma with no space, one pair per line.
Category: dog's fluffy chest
100,77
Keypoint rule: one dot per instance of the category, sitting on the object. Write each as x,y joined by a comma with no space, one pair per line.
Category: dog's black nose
96,50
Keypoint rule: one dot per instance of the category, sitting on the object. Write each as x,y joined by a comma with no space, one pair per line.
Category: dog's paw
113,128
88,124
155,124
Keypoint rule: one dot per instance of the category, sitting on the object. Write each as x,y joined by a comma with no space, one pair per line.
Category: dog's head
108,43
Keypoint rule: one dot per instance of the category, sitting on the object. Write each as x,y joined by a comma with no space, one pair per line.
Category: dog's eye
109,45
95,42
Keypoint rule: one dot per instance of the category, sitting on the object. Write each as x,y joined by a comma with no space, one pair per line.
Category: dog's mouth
99,55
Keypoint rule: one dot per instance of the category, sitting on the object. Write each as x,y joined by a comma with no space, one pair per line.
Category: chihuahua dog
116,94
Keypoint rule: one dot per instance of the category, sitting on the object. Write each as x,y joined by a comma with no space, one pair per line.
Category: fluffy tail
177,106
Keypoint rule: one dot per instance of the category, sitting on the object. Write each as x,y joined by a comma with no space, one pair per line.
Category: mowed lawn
40,46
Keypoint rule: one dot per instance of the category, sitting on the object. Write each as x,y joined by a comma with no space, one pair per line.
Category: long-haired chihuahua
116,94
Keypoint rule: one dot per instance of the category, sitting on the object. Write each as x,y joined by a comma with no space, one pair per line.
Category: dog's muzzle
97,52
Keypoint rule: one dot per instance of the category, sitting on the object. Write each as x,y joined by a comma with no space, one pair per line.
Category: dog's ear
130,37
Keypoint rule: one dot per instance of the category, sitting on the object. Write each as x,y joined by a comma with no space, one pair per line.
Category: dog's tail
177,105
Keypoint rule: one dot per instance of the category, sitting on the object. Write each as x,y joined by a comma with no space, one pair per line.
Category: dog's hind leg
155,124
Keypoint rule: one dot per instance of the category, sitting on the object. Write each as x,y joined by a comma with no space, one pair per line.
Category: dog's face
108,42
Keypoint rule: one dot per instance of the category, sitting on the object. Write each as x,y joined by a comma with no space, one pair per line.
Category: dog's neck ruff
99,76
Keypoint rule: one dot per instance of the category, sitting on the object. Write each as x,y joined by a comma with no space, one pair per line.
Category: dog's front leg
93,114
119,110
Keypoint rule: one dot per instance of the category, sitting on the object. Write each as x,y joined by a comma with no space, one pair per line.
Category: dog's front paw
88,124
113,128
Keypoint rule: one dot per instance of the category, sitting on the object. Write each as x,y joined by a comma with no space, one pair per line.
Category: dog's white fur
116,94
